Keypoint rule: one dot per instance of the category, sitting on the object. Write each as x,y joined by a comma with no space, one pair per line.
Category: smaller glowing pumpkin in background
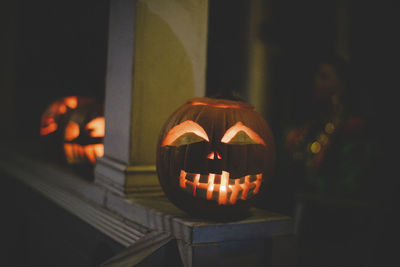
214,156
54,117
53,122
83,134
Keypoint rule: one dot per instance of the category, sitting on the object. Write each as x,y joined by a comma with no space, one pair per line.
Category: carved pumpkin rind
219,174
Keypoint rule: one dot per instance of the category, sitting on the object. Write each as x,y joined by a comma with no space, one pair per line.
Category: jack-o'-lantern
83,135
214,156
54,115
54,120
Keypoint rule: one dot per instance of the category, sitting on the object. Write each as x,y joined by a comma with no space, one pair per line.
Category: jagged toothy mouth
220,187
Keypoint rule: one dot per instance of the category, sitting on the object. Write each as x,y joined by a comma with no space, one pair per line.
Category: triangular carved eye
185,133
96,127
240,134
241,138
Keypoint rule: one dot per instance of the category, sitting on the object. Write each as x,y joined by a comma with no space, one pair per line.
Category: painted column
156,61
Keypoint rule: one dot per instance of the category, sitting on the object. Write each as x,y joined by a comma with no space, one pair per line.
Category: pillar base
125,180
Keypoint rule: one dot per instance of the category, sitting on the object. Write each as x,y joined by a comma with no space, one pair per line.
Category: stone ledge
138,214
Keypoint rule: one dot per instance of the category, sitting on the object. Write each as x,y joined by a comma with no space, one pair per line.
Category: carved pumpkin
55,114
83,135
214,156
53,122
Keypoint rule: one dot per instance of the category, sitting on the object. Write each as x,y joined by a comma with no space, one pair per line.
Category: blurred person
326,176
329,149
329,157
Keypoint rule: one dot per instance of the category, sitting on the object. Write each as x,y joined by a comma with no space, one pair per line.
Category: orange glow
51,114
50,127
76,153
219,187
210,185
71,101
182,181
258,183
94,151
196,183
57,108
198,103
223,195
246,187
48,123
71,131
212,155
96,127
62,109
235,191
183,128
235,129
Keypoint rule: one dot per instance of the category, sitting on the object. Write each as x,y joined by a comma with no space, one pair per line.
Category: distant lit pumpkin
54,120
55,115
83,134
214,156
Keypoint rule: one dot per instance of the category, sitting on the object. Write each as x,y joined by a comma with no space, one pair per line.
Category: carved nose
215,164
214,155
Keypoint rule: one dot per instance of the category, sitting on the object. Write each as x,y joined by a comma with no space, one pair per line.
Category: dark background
57,48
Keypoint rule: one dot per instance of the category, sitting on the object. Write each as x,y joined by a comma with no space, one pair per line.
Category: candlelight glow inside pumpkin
214,154
51,117
83,135
218,186
55,114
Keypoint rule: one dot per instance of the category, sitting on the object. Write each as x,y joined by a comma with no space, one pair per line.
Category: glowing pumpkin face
214,156
53,122
56,113
83,135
